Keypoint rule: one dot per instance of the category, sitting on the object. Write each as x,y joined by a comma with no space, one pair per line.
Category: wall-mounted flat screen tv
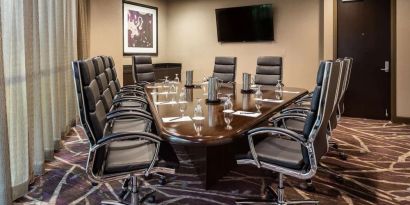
245,24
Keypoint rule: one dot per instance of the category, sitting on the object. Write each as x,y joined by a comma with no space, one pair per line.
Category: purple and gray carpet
376,172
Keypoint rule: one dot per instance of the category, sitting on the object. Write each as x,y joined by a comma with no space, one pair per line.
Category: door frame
393,70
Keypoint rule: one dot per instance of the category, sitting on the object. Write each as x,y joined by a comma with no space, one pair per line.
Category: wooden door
363,29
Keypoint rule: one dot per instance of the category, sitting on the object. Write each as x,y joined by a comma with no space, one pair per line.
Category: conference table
208,142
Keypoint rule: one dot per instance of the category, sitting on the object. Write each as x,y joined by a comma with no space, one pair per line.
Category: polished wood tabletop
214,129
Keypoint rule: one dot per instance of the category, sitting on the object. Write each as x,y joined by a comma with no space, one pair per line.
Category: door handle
386,67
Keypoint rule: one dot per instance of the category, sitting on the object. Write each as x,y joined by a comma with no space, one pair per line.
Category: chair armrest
284,117
275,131
133,87
132,136
124,99
127,114
296,110
128,109
131,92
306,98
126,136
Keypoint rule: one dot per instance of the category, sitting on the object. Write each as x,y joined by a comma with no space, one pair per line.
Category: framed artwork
140,29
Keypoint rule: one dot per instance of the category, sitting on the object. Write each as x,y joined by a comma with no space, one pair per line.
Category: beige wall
106,30
403,54
328,33
192,38
187,34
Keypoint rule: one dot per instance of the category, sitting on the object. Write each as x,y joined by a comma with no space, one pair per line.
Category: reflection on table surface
213,128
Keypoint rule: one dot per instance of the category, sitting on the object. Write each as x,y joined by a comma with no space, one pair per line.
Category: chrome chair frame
133,189
329,97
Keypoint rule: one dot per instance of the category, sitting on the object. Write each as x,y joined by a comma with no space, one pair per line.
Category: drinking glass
198,114
279,90
228,117
182,103
166,81
228,105
176,79
205,88
252,81
198,117
258,105
173,88
259,94
198,124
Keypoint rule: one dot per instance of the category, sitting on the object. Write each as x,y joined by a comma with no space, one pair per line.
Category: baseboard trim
401,120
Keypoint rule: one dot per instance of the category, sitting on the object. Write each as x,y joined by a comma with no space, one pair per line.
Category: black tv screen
245,24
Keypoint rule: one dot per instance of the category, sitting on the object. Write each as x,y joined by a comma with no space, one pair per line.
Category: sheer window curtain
5,181
39,42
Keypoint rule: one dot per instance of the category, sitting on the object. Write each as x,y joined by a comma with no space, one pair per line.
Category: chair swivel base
133,191
278,198
334,146
283,203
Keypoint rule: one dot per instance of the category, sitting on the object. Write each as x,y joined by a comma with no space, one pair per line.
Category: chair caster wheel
343,156
339,178
308,186
94,184
162,181
269,194
150,199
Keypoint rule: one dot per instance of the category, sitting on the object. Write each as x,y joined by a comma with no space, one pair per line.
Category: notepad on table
247,114
176,119
272,100
166,103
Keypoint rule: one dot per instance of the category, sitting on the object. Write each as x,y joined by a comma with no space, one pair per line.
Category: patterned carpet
376,172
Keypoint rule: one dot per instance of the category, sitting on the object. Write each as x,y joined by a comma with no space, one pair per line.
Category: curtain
5,180
83,32
39,43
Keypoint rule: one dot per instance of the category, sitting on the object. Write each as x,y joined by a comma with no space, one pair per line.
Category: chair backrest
103,83
348,66
322,106
81,105
225,69
92,111
342,82
268,70
142,69
114,73
106,61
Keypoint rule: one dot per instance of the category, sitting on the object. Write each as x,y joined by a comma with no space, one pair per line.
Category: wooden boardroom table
212,150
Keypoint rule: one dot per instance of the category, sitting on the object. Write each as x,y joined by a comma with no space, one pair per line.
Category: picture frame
140,29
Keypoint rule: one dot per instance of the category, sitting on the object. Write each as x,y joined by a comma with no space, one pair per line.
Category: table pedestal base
210,162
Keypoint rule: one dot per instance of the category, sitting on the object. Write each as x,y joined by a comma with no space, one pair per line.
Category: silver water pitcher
213,90
189,78
246,82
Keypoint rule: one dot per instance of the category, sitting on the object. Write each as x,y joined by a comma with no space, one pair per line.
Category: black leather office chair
297,125
268,70
349,65
126,88
335,117
225,69
121,146
299,156
142,69
109,100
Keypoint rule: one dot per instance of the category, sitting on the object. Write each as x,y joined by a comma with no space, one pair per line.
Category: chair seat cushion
295,125
131,125
281,152
132,104
128,156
